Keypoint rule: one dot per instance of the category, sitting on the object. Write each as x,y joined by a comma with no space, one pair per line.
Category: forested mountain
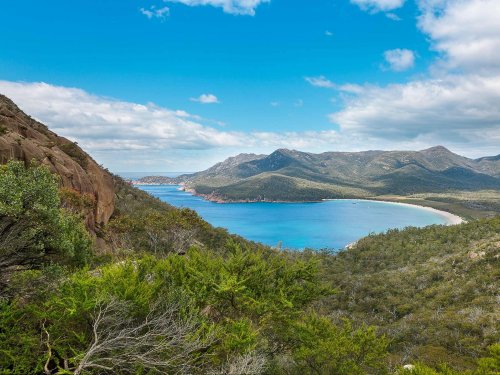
294,175
145,288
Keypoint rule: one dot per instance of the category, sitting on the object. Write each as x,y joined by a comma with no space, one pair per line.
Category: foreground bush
219,307
34,229
201,312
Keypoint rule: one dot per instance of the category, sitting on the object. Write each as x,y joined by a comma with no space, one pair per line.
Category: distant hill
295,176
432,292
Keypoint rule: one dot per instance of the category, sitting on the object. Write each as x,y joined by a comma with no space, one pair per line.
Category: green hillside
166,291
289,175
432,291
98,277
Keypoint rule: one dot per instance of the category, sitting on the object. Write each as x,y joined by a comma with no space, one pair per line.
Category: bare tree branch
163,341
46,369
252,363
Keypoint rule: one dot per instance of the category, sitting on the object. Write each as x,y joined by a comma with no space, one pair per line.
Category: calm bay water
329,224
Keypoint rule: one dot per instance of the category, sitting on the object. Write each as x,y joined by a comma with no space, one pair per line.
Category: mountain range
430,292
290,175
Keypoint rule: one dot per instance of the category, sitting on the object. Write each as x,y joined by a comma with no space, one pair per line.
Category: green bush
3,129
33,228
237,305
75,152
431,291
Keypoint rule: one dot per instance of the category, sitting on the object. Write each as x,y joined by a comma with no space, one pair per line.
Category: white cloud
456,104
154,12
241,7
101,123
206,99
328,33
323,82
378,5
393,16
118,133
351,88
467,32
320,81
400,59
450,105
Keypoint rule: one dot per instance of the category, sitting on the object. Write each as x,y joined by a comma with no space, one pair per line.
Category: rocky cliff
23,138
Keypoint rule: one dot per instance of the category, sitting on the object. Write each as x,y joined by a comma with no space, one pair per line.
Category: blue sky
175,85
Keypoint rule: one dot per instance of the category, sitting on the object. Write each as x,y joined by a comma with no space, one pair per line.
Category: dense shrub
34,229
432,291
229,306
187,298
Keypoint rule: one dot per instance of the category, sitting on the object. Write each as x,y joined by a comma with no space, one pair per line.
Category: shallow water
328,224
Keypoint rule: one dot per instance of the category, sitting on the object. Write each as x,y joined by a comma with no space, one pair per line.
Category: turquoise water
328,224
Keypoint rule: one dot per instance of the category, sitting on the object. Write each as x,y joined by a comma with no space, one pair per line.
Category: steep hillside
24,138
490,164
123,217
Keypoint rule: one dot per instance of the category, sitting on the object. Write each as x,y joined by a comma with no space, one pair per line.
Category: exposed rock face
23,138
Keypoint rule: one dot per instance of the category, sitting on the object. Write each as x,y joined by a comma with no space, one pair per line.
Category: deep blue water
328,224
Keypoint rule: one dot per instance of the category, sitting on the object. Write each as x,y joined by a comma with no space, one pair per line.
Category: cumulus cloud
453,106
154,12
101,123
467,32
119,132
241,7
457,103
378,5
399,59
320,81
206,99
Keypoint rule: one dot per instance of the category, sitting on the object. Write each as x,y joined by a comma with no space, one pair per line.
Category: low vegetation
75,152
169,294
34,229
432,291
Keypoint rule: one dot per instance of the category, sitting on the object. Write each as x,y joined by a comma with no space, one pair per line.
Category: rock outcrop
23,138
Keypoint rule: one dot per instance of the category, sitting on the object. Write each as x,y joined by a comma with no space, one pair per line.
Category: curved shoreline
451,219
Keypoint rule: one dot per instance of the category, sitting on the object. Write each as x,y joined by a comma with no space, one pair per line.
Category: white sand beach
451,219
